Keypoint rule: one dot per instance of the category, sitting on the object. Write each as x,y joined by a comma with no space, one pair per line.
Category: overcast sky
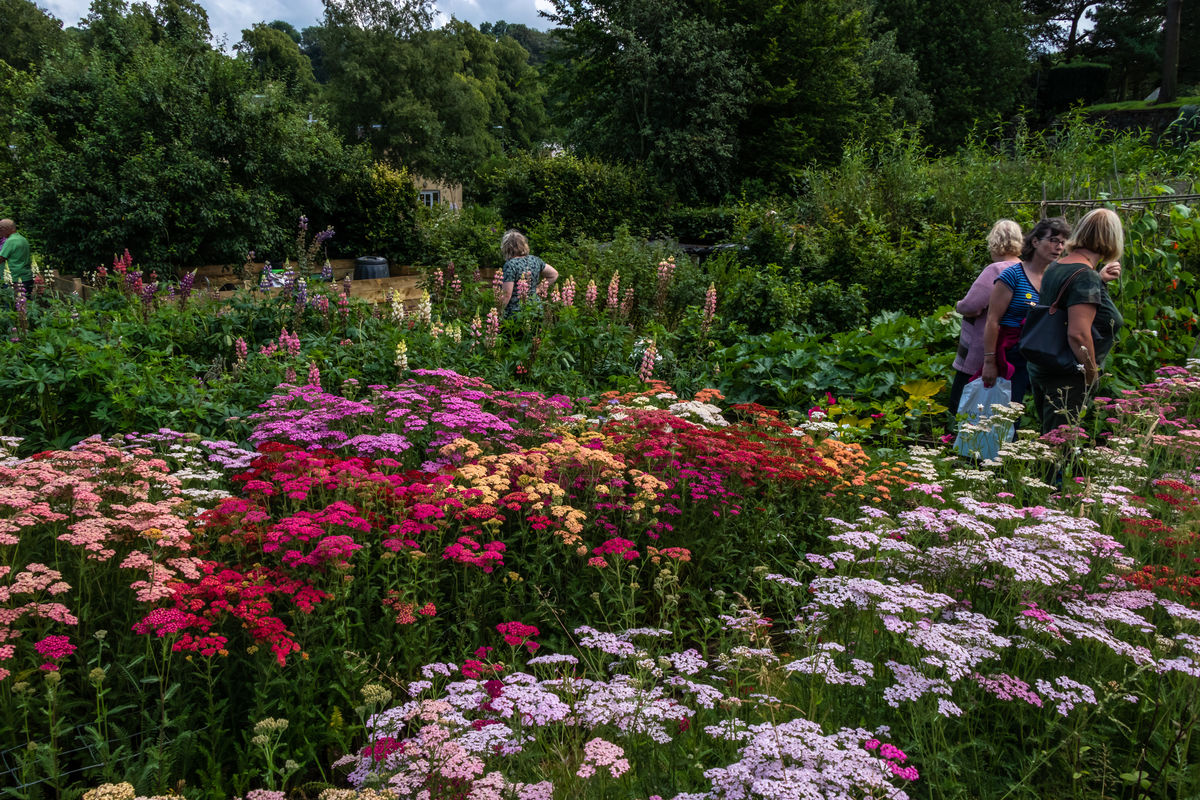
228,17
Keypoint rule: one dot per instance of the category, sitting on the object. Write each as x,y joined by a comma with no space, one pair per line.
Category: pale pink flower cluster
646,371
590,295
568,292
120,510
599,753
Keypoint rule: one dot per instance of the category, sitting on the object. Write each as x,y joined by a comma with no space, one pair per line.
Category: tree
1057,25
140,135
1170,74
709,93
287,28
512,88
411,93
1128,35
971,55
29,31
276,57
650,81
812,82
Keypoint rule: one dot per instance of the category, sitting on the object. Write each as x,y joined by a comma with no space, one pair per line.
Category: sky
228,17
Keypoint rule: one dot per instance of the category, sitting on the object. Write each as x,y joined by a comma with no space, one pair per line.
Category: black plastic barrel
366,267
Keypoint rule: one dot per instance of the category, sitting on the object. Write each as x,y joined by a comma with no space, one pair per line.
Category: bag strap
1063,290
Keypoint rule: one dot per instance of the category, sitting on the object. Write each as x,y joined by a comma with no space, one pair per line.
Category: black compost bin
366,267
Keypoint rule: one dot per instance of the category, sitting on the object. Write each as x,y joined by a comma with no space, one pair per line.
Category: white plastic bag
979,435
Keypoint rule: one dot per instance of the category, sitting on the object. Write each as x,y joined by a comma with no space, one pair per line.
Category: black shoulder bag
1044,336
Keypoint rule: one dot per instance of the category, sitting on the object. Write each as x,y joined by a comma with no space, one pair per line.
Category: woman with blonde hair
1004,245
1092,318
517,263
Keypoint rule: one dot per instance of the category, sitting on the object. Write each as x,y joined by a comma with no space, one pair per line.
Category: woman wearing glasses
1013,294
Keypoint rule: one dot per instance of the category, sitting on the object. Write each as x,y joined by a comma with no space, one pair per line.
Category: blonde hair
1004,239
514,245
1099,231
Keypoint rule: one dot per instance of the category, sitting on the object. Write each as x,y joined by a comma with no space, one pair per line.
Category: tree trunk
1170,70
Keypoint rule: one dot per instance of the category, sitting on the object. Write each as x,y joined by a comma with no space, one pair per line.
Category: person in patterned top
517,263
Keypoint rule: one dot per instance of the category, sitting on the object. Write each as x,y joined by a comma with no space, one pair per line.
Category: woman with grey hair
1004,244
517,263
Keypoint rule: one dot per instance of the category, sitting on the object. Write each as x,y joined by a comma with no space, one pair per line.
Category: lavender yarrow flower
1068,694
553,659
911,685
779,758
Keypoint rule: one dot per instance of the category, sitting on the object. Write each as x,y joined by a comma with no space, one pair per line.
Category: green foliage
571,196
655,83
791,368
971,58
440,102
383,218
276,56
469,237
29,33
144,137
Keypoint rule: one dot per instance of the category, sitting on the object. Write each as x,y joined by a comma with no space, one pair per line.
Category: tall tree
651,81
275,56
29,32
972,57
1170,73
404,89
141,135
811,81
1128,35
1059,25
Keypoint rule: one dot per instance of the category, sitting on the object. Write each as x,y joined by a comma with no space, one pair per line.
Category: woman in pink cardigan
1004,243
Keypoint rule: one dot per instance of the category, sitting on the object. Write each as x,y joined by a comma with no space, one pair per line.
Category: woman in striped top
1013,294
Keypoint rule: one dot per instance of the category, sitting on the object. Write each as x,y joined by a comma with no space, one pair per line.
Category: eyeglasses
1053,240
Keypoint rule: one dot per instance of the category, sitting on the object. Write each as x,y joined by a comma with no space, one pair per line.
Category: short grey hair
514,245
1004,239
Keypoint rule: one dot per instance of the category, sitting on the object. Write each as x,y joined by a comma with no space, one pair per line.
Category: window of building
431,197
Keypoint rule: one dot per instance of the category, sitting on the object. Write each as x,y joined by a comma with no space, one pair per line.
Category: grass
1142,105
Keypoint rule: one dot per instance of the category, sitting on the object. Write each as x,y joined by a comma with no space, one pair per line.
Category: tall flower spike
402,356
614,291
646,372
425,309
710,308
492,331
589,295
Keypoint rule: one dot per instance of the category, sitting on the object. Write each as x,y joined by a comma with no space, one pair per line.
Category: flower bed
438,587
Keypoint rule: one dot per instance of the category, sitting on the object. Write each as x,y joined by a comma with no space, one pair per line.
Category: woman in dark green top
1092,318
517,263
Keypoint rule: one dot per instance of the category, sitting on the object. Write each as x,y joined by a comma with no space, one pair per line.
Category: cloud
227,18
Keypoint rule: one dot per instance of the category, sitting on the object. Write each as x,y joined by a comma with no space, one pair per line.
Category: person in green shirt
1092,318
15,255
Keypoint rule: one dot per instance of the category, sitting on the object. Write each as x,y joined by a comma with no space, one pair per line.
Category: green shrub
383,218
571,196
469,237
